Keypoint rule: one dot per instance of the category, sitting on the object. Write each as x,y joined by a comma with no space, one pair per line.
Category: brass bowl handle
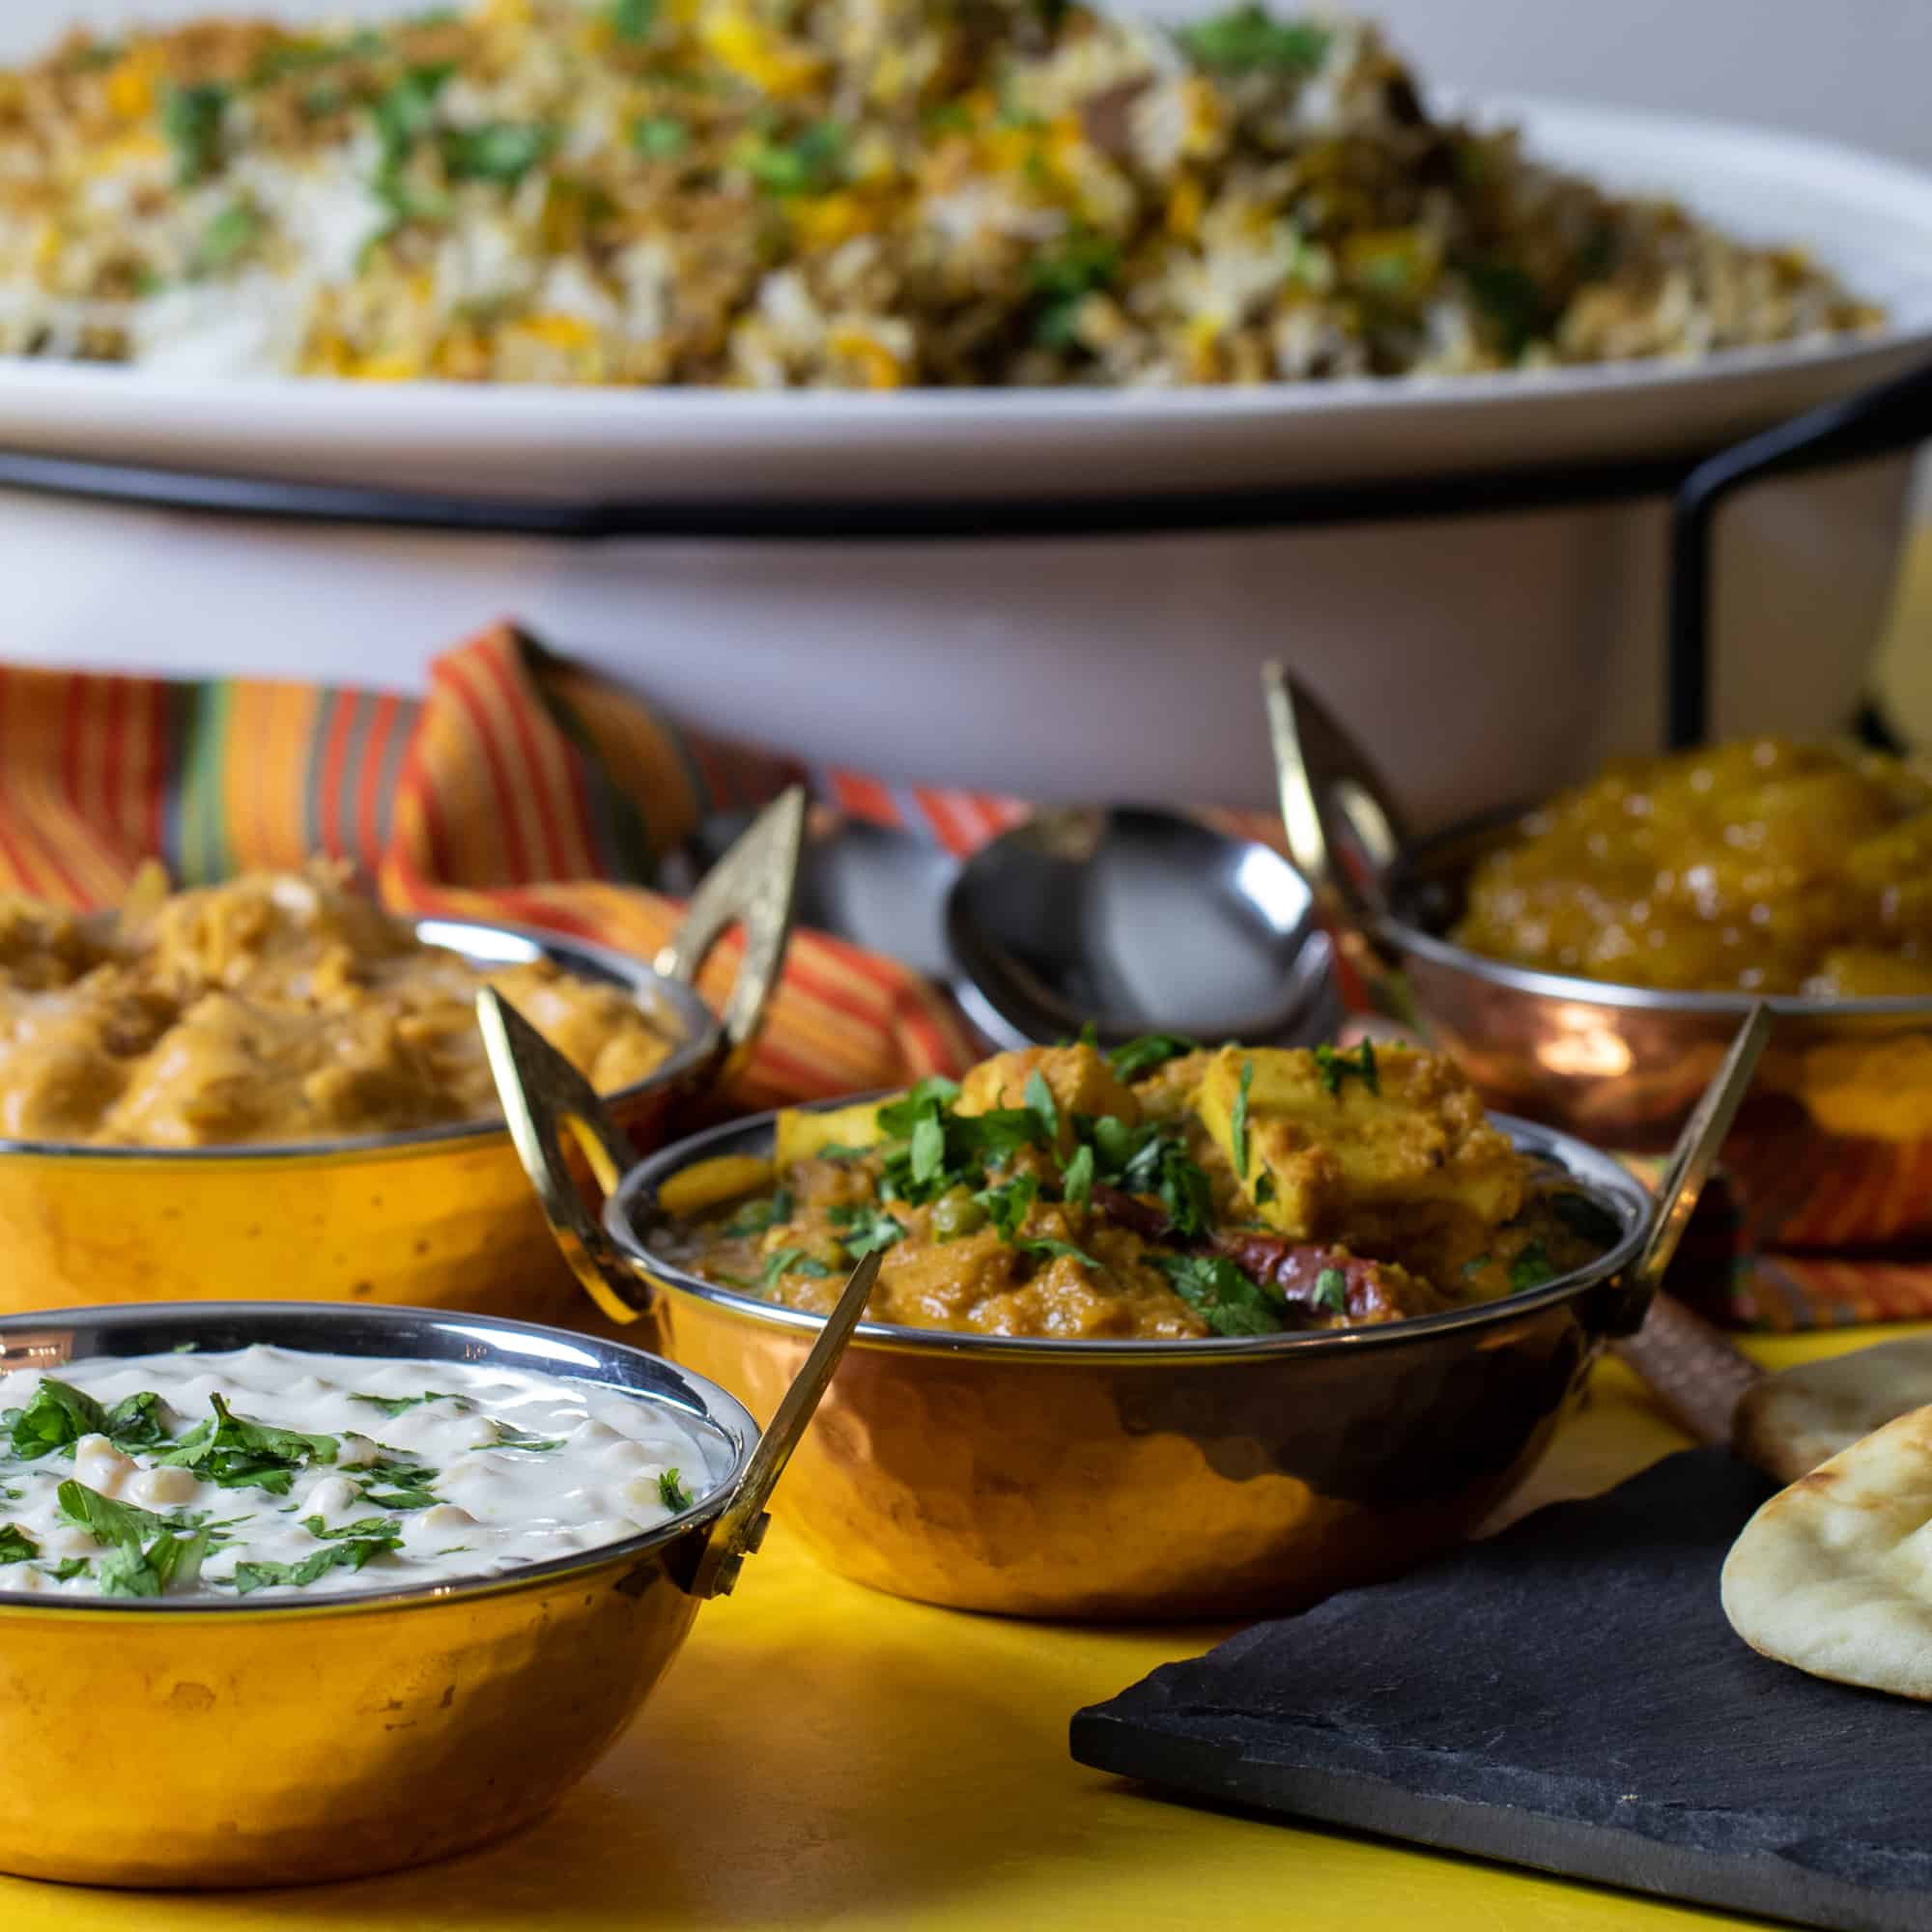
755,882
1327,784
544,1096
1697,1150
740,1530
1697,1377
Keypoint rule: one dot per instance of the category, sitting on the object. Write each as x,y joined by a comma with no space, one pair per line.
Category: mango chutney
1760,867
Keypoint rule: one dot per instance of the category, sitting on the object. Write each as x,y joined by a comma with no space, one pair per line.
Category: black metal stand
1883,421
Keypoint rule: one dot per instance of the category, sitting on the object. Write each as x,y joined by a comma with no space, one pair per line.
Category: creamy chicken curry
1160,1192
278,1007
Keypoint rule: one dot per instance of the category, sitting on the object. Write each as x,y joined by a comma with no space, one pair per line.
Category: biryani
826,193
280,1008
1761,866
1164,1192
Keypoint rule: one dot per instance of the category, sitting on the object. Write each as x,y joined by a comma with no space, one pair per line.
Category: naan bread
1834,1573
1790,1423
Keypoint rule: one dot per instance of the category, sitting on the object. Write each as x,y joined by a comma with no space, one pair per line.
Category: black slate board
1567,1695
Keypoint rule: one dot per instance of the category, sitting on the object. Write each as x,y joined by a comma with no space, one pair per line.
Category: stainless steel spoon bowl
1136,920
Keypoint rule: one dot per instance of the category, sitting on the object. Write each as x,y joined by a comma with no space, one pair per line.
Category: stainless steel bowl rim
326,1321
1578,991
700,1037
1605,1180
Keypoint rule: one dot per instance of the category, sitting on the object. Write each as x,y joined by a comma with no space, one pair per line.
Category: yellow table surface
823,1755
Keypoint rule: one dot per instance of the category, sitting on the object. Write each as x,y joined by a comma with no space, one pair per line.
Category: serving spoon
1130,918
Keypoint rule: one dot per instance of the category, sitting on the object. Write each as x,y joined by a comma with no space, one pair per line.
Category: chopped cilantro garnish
792,1261
192,119
15,1545
756,1216
393,1405
1476,1264
228,237
1333,1068
130,1571
1331,1291
138,1421
676,1497
811,162
1513,302
1008,1204
1531,1267
1059,1251
1237,1120
1152,1158
1041,1105
1264,1190
367,1527
1222,1295
509,1437
1076,1181
1248,39
632,19
406,109
109,1520
933,1095
234,1452
56,1417
350,1554
1063,279
146,1552
393,1484
69,1568
933,1149
502,152
1151,1050
927,1150
865,1226
659,137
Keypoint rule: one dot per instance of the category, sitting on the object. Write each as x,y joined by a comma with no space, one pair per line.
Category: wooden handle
1697,1378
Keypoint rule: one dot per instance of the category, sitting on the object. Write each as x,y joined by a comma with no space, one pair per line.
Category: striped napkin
519,788
522,787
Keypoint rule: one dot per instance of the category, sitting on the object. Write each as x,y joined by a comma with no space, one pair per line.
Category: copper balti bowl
1122,1479
1833,1146
437,1217
191,1742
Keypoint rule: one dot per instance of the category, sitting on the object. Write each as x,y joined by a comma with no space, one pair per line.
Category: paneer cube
1078,1077
801,1132
1331,1145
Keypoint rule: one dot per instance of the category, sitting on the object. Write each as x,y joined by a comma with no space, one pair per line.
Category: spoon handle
740,1531
1697,1378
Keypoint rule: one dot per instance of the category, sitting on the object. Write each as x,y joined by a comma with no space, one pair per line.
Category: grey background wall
1858,70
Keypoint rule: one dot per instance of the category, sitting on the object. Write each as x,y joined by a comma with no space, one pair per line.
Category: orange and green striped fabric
519,787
